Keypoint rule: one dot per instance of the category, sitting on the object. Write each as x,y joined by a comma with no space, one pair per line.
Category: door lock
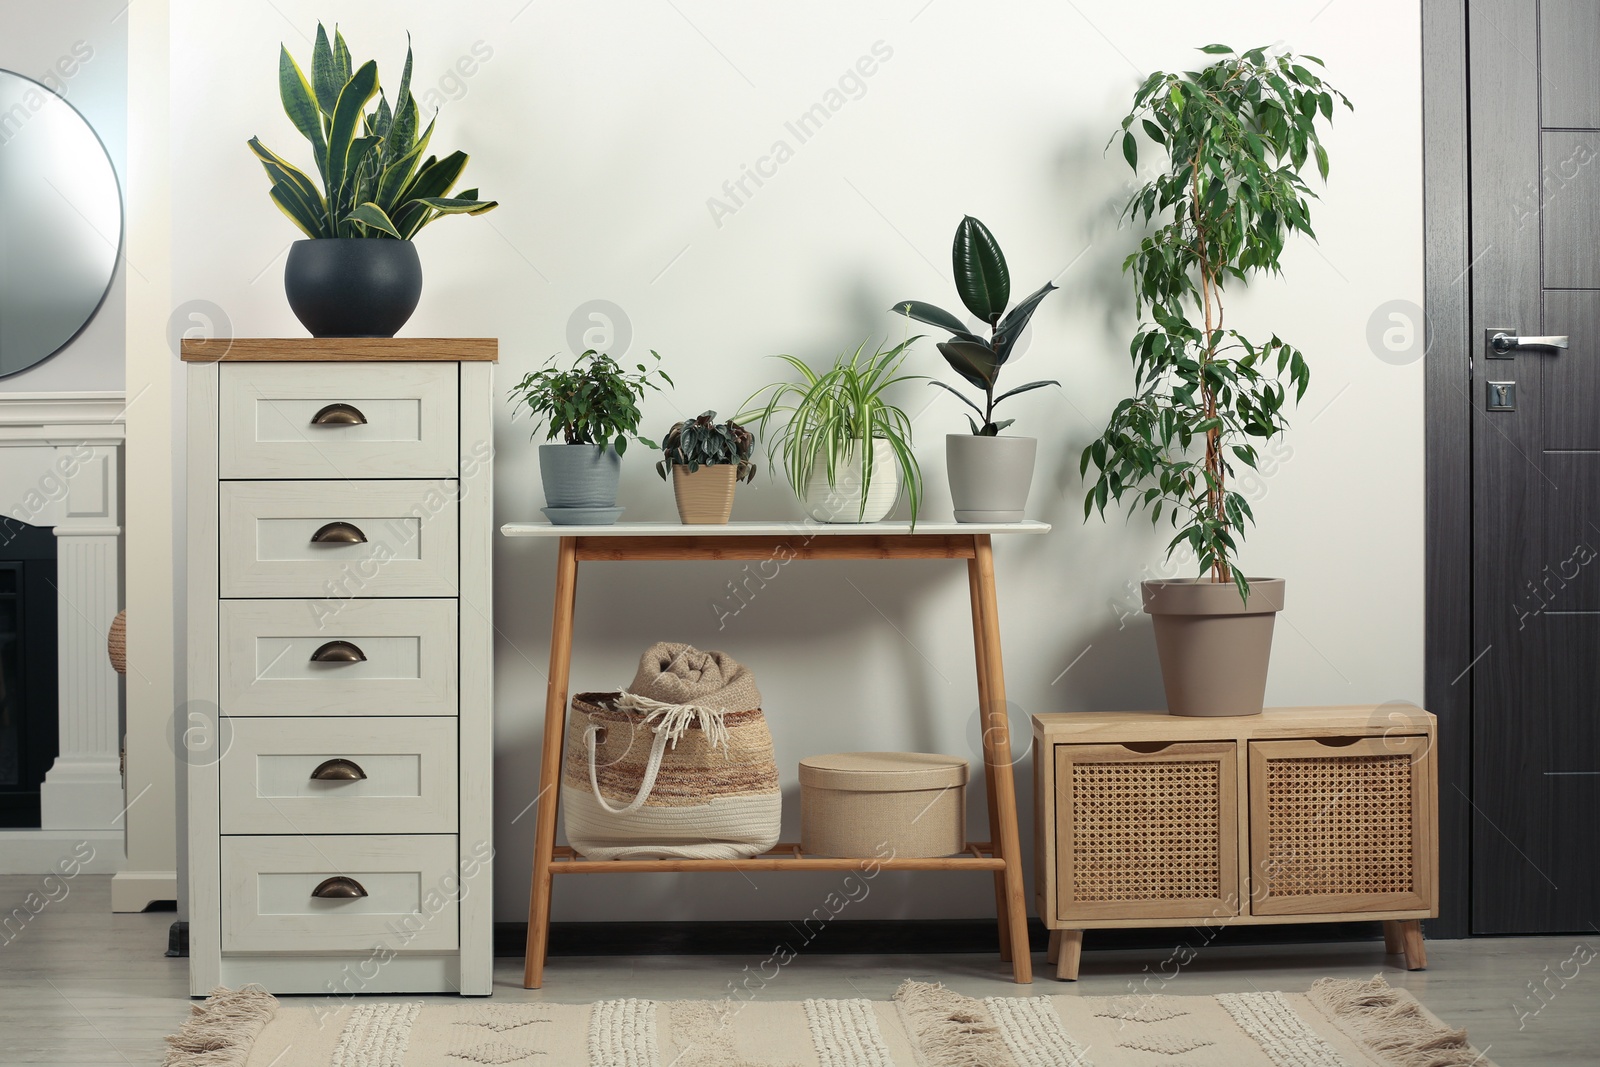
1503,343
1502,396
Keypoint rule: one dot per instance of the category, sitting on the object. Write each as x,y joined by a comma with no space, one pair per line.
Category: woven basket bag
679,764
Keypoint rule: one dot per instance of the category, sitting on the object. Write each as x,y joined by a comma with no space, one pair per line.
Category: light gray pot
579,476
1214,646
989,476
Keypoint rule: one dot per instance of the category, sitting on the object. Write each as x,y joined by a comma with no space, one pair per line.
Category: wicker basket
905,804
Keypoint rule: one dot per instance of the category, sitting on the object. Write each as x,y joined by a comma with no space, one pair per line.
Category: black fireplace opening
29,730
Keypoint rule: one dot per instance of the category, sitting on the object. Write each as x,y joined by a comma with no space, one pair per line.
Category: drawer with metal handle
338,776
352,657
309,894
338,540
347,419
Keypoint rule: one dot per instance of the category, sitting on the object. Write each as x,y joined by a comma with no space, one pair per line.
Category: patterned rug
1338,1023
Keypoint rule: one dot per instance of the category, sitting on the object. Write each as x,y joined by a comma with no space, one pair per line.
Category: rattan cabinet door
1340,825
1147,834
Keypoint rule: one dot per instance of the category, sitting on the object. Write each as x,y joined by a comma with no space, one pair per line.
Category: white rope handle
653,768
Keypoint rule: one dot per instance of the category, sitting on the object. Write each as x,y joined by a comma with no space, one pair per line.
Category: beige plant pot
705,498
1213,645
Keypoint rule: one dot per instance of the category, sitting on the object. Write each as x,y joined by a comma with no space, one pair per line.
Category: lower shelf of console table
1297,815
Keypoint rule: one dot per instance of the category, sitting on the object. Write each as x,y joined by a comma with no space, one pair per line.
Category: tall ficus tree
1236,135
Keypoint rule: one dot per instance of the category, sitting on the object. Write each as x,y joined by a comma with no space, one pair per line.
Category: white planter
842,501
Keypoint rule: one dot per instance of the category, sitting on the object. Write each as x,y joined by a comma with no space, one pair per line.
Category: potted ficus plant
593,405
845,446
1236,136
707,459
990,474
357,274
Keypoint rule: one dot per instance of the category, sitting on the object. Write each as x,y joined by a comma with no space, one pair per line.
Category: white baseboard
134,890
44,851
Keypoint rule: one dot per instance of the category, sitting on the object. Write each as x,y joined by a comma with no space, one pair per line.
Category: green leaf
1016,321
372,215
982,279
1130,150
298,212
958,394
933,316
1154,132
346,116
324,75
1217,50
301,108
1023,389
976,363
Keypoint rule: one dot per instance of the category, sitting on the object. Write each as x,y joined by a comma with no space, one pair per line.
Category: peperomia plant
594,402
374,179
1236,135
984,284
705,442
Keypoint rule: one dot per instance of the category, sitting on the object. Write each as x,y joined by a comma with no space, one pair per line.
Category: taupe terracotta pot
1213,645
705,498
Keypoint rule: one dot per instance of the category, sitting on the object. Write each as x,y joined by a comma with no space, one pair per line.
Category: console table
1001,854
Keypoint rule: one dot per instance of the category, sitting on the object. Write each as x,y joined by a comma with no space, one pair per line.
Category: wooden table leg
555,721
997,760
1392,943
1068,955
982,656
1412,944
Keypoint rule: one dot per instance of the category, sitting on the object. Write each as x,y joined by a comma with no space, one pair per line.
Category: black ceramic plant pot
353,286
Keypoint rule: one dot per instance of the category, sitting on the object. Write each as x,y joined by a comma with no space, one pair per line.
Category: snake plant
374,179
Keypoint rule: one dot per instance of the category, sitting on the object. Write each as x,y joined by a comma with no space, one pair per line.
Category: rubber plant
374,179
983,282
1235,137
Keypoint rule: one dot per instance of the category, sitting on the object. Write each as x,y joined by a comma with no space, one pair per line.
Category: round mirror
60,222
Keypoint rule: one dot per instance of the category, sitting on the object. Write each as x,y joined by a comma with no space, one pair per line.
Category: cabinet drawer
1147,831
337,420
270,901
1341,825
339,776
338,657
337,540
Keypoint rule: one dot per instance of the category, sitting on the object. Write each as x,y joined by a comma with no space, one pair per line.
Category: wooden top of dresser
339,349
1088,727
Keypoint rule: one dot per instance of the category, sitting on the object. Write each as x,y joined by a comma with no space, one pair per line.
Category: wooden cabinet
1294,815
337,729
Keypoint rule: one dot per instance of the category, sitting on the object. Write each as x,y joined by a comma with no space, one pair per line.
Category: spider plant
837,419
374,179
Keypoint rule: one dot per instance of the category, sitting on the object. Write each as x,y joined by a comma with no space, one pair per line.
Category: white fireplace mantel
61,467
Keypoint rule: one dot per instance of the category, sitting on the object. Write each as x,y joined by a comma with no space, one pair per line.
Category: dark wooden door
1534,105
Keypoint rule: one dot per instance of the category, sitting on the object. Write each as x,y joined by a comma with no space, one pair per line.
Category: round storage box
864,804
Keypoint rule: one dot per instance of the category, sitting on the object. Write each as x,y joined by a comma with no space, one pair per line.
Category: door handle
339,415
339,533
338,770
1503,343
338,652
339,888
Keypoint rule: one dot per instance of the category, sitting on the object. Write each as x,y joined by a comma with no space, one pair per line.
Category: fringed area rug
1338,1023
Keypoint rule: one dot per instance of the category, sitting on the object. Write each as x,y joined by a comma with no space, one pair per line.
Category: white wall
38,37
604,129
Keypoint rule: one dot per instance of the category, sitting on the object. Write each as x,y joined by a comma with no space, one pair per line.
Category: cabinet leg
1411,943
555,722
1068,953
1052,953
1392,944
997,757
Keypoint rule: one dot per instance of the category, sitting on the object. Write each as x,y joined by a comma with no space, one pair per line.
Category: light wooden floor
79,985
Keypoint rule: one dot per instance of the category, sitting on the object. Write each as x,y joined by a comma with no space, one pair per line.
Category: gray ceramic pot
1214,646
579,476
989,476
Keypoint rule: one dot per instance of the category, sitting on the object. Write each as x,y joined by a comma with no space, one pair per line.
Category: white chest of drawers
337,728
